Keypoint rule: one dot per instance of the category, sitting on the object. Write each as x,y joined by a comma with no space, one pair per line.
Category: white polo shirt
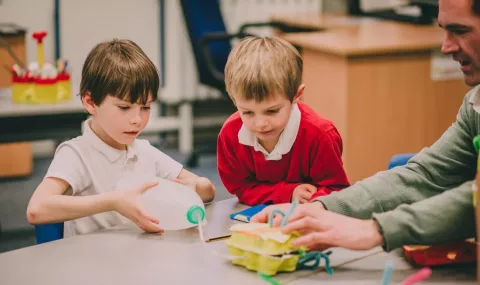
92,167
285,142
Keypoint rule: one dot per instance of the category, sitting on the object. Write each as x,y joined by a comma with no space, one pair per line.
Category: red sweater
315,158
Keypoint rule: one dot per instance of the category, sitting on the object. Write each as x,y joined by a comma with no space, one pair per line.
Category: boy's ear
299,93
88,103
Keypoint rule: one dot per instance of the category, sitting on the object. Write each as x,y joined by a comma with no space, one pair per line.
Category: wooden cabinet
373,80
15,158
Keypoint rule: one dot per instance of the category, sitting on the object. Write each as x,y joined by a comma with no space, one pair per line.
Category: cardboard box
16,159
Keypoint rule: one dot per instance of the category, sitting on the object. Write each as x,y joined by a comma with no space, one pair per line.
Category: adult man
428,200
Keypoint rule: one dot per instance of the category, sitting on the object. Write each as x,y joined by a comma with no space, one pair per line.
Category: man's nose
449,46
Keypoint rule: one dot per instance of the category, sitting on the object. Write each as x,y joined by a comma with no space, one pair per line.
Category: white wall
38,16
84,24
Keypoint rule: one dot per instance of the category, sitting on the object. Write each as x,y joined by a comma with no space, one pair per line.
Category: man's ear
88,103
299,94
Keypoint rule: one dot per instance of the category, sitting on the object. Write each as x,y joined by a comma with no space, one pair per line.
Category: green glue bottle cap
195,214
476,142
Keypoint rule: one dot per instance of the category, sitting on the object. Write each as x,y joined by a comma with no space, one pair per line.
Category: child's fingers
150,227
178,180
148,223
311,189
305,196
147,186
147,216
303,200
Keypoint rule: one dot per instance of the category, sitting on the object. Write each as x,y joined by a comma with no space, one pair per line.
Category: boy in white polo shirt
119,83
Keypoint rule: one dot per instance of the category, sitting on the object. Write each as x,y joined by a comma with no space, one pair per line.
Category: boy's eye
272,111
146,107
124,107
247,113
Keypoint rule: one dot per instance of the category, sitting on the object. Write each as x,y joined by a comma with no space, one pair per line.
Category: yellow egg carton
258,247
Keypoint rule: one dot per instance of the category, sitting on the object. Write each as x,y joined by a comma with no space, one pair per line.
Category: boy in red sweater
275,148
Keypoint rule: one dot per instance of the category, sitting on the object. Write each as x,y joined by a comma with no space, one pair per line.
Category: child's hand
127,203
201,185
190,182
303,193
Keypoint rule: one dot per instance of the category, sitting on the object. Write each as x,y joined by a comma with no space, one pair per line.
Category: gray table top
8,108
126,255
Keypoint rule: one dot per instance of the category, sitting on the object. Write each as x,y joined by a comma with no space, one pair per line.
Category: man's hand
262,217
128,204
322,229
303,193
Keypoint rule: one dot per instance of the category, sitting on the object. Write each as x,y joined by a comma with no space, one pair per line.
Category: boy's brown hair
257,67
121,69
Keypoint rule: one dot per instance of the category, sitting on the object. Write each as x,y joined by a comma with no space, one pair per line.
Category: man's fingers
314,240
303,224
147,186
297,214
277,220
262,217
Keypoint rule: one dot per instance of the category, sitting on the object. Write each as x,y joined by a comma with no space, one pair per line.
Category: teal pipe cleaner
285,216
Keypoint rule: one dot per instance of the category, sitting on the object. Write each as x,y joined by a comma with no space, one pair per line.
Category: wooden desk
30,122
372,78
126,255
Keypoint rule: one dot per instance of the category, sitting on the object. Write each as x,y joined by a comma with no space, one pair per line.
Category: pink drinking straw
418,276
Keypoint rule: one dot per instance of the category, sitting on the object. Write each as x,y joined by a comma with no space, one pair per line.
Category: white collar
475,99
111,153
285,142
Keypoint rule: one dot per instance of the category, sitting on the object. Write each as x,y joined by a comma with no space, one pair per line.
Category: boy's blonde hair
259,66
121,69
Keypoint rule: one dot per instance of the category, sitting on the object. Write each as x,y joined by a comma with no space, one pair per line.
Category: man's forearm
448,163
445,217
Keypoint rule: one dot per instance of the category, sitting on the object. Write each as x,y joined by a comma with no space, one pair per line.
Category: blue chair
48,232
400,159
211,42
211,46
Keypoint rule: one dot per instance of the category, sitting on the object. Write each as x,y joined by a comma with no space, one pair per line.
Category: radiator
180,80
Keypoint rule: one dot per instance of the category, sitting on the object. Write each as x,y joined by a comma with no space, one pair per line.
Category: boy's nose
135,119
260,123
